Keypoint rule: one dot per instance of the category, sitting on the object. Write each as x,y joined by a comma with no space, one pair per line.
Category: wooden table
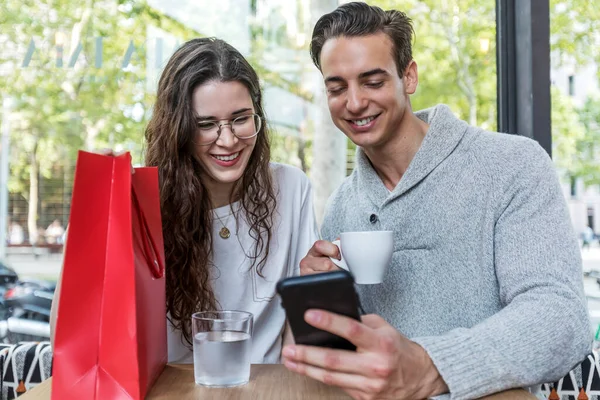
267,382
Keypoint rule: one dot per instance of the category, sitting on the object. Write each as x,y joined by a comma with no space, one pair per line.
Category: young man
484,291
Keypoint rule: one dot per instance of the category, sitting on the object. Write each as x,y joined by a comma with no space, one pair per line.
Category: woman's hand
111,152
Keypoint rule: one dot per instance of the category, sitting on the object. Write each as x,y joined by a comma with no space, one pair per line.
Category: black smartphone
330,291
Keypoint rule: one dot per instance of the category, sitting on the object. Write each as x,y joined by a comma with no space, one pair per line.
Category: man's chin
365,139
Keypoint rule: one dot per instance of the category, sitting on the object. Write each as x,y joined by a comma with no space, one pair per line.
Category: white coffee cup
366,255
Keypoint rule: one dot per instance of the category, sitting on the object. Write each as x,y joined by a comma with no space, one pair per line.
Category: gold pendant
224,233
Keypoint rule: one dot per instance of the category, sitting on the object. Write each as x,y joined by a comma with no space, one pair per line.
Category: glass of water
222,347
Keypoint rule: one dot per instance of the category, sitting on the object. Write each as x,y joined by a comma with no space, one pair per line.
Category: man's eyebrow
333,79
362,75
236,112
372,72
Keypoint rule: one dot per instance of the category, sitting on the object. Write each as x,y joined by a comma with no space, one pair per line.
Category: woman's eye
241,120
205,126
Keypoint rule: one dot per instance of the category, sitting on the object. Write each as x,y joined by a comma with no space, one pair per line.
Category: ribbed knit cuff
461,363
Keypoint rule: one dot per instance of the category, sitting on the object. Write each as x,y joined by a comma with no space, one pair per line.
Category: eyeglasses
242,127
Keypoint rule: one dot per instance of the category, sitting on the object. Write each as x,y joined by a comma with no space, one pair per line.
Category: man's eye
335,90
375,84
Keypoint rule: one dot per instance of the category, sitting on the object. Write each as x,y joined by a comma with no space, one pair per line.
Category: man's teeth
227,158
361,122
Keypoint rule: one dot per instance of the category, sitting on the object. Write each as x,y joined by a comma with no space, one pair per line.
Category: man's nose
356,101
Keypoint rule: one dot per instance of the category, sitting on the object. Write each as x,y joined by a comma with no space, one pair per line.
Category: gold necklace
224,232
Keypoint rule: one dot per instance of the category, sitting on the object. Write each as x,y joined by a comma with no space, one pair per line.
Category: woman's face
225,160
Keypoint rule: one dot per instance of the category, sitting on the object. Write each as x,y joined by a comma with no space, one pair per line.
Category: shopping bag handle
150,248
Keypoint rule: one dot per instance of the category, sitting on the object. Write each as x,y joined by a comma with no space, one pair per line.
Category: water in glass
222,358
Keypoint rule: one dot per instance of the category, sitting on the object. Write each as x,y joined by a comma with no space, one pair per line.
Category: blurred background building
580,83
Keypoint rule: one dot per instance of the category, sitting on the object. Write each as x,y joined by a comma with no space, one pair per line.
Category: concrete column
329,144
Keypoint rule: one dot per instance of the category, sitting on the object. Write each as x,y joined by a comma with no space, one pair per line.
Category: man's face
366,97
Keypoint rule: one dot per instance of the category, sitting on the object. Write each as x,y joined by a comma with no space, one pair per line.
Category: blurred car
30,299
8,276
24,307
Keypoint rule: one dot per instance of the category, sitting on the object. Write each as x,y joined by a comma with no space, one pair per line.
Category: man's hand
317,260
386,365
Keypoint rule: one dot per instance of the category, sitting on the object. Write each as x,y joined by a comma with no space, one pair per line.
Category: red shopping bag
111,338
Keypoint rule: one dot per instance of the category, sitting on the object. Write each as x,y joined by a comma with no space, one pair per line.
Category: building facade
580,83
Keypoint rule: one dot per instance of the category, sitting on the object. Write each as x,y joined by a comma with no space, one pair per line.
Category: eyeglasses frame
230,123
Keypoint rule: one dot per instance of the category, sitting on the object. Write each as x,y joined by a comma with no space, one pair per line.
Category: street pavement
44,266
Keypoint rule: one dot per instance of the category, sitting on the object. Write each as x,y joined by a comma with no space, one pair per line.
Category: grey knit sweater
486,272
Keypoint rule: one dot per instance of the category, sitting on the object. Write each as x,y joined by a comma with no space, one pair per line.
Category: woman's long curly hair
185,203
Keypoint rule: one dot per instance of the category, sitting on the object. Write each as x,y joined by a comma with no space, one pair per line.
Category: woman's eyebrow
207,117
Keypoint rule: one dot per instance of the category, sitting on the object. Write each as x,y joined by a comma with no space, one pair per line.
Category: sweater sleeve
543,329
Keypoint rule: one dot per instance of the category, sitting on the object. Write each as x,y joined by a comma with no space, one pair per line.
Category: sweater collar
444,133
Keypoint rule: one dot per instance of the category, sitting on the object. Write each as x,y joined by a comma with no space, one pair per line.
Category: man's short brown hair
360,19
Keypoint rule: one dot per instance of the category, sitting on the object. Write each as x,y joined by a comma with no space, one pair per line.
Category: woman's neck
220,193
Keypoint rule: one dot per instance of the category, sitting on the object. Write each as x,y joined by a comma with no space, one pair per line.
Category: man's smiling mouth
363,121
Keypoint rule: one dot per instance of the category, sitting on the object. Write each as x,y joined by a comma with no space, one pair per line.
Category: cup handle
340,263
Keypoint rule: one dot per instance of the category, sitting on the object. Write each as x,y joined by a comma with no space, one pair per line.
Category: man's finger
110,152
323,248
356,394
373,321
343,380
315,266
356,332
314,250
330,359
328,249
310,271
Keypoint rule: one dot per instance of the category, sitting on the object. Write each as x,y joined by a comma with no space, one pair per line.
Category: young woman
233,222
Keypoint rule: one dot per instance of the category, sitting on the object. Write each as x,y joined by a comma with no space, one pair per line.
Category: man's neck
392,160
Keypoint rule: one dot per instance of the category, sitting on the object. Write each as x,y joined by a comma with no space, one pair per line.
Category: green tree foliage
64,97
588,147
574,42
567,132
63,100
575,25
455,49
79,78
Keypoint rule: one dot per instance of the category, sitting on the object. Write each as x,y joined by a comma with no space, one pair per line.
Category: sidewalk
591,262
45,267
591,259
